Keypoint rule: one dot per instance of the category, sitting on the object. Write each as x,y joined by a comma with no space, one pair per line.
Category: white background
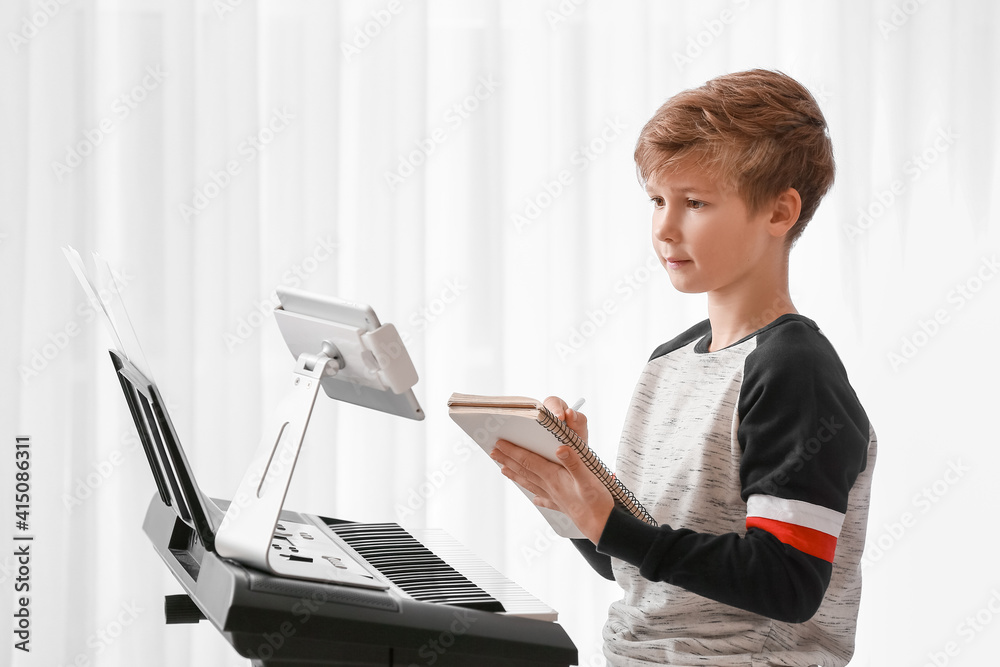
479,108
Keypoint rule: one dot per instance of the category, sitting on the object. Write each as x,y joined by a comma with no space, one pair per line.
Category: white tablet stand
370,368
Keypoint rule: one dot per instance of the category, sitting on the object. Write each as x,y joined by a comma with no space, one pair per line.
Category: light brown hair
759,132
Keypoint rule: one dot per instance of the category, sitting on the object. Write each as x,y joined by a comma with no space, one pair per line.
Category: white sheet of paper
126,333
76,263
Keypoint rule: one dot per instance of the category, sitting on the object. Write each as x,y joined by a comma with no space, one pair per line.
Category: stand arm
248,527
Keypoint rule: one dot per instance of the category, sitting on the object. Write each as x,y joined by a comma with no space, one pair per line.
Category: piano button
297,559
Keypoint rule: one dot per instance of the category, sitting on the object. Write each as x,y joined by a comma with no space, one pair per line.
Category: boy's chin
686,287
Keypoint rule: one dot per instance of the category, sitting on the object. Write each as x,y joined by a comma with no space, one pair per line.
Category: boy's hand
575,420
567,486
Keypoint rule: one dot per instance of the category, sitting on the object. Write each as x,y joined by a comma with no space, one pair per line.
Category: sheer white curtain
466,168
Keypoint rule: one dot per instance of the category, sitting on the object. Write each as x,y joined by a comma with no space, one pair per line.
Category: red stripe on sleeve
807,540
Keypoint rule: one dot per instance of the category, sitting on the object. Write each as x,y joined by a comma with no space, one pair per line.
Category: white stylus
576,406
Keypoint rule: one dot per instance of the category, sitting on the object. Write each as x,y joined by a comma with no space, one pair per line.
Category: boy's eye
695,204
657,202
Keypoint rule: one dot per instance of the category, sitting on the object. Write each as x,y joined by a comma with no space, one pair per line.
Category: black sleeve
600,562
755,572
804,439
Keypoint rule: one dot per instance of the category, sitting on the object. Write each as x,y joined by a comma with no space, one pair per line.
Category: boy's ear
785,212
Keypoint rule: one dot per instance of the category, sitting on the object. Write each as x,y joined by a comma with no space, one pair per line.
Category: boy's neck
735,315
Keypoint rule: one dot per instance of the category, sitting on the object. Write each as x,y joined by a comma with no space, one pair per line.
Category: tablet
326,307
307,320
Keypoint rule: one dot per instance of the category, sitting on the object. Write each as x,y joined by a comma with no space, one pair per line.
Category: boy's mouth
675,263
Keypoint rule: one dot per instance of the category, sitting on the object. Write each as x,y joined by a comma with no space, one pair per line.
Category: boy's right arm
600,562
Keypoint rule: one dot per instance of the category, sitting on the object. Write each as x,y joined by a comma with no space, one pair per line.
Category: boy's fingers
567,456
545,502
577,421
571,461
515,476
524,482
556,406
524,464
527,460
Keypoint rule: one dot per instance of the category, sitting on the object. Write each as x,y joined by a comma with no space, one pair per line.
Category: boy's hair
760,132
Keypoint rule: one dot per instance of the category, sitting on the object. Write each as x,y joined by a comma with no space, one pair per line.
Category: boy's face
704,235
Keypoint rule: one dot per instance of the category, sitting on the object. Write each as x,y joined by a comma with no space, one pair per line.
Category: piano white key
412,569
516,600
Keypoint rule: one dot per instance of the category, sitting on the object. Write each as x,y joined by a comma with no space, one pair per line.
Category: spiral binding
594,463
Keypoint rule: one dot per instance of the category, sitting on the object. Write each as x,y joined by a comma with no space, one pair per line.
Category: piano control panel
300,550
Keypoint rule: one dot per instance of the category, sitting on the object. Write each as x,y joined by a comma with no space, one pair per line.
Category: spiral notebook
529,424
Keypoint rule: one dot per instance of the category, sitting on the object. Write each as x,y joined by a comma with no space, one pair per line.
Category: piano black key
414,568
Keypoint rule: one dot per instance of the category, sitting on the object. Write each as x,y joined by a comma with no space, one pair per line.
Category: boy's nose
665,225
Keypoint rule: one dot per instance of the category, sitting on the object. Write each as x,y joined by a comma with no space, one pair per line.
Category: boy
744,438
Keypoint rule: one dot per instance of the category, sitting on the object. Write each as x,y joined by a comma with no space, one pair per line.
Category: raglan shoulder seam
693,333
